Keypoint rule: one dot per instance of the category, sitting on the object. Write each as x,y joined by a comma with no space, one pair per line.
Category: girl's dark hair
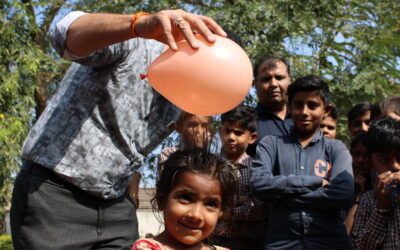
245,115
197,161
309,84
383,136
357,110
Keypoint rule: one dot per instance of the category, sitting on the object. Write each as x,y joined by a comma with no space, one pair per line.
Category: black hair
245,115
383,136
334,114
361,138
357,110
198,161
270,62
309,84
390,104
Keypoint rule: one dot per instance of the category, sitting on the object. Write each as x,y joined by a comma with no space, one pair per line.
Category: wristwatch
134,198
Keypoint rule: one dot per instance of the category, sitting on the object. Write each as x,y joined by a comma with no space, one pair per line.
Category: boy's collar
244,160
318,135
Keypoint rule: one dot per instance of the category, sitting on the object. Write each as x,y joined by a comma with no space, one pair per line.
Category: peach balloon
208,81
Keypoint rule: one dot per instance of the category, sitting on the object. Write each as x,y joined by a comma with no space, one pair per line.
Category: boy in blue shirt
306,177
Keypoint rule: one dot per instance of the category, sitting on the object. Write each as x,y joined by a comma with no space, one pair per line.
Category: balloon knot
143,76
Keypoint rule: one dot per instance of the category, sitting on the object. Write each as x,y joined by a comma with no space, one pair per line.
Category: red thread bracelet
135,18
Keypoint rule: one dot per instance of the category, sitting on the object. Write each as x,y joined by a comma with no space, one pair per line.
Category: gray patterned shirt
103,119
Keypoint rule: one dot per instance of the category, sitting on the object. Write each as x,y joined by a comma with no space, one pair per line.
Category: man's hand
170,26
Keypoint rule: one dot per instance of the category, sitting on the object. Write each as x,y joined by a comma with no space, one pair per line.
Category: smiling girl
194,189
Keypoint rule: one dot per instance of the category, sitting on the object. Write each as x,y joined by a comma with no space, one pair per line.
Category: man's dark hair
245,115
358,110
309,84
383,136
270,63
390,104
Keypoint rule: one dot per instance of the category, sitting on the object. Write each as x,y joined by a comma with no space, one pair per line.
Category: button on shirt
97,128
269,124
302,213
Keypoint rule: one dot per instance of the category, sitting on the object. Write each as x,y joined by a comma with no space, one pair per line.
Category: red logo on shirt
322,168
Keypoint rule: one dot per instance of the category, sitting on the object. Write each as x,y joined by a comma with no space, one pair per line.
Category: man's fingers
187,32
167,33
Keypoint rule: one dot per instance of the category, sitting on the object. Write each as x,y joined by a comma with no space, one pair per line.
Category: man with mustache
271,79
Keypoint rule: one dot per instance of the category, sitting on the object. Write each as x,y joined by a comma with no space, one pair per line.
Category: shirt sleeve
266,186
102,57
370,227
338,194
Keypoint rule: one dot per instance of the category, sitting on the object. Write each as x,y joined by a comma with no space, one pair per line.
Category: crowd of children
297,192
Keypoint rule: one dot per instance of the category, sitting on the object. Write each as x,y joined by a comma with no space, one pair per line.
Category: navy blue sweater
303,214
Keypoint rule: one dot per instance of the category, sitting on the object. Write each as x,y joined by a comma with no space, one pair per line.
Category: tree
353,44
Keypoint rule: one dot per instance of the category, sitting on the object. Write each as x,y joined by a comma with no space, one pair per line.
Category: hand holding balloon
208,81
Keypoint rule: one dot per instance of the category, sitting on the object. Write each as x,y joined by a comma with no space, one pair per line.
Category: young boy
358,118
329,124
237,131
306,178
377,221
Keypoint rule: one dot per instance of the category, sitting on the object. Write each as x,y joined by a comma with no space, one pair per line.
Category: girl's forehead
199,183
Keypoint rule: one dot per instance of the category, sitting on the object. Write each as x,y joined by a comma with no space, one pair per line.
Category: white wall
148,223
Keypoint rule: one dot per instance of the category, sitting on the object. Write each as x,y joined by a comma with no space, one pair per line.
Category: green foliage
6,242
353,44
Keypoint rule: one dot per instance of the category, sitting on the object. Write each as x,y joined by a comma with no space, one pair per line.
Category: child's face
195,131
360,123
308,111
386,161
193,208
361,163
328,126
235,139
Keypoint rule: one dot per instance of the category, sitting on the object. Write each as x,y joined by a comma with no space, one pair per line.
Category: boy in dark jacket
306,177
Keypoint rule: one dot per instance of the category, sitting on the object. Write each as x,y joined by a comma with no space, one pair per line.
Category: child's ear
253,137
328,109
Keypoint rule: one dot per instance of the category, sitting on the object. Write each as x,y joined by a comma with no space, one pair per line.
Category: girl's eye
212,204
184,198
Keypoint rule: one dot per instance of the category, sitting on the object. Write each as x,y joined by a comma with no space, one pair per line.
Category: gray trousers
49,213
